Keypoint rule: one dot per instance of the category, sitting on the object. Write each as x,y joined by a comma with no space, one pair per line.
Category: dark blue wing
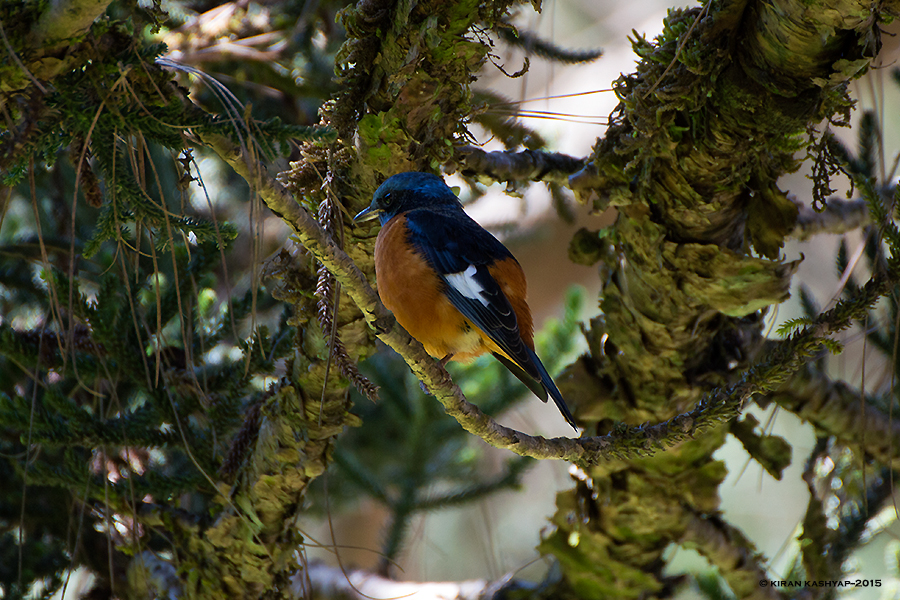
461,251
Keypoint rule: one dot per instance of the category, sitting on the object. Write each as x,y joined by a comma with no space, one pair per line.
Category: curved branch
638,440
715,407
354,282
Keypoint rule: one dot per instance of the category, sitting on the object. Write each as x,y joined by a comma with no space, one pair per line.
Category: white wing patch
464,283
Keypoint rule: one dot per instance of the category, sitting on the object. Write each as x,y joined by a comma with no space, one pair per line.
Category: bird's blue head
408,191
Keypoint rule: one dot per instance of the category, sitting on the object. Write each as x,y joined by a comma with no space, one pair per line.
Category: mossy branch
355,284
716,407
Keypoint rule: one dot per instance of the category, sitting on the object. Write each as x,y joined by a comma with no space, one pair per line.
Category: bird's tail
541,387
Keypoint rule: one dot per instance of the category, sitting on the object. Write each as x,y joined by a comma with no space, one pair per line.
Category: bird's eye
387,200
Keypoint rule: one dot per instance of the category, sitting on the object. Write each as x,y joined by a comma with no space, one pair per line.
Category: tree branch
584,450
838,216
835,409
715,407
357,287
528,165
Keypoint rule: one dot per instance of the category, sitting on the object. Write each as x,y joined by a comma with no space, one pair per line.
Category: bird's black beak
367,214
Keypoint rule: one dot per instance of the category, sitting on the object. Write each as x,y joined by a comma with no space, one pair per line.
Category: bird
450,283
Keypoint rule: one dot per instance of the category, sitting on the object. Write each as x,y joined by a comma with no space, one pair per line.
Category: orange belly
411,290
414,293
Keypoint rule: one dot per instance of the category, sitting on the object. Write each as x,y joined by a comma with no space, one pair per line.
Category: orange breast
414,293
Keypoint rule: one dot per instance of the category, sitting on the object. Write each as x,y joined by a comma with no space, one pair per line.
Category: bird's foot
443,362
